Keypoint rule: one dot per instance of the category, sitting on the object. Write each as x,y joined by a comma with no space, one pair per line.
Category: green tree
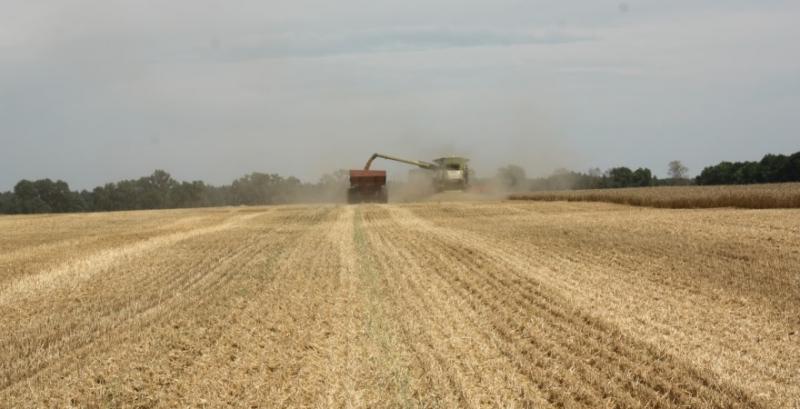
56,194
27,200
747,172
188,194
793,168
261,188
641,177
620,177
154,190
775,168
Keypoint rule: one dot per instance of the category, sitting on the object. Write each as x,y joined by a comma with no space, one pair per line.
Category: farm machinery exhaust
367,185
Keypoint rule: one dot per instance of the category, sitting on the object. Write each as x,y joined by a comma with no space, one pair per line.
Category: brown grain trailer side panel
367,186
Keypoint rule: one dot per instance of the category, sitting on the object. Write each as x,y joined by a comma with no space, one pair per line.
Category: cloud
393,39
86,87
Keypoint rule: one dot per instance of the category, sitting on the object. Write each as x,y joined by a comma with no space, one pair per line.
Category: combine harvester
448,173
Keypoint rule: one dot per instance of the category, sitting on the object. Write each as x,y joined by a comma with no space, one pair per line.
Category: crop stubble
421,305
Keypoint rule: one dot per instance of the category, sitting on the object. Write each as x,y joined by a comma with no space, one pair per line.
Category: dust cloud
496,124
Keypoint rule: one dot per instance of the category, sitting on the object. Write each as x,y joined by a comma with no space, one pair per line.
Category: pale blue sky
95,91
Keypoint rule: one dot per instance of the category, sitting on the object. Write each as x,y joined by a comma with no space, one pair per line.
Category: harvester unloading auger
447,173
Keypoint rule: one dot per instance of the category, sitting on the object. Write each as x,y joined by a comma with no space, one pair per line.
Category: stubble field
460,304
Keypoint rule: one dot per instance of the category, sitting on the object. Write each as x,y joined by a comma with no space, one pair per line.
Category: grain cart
447,173
367,186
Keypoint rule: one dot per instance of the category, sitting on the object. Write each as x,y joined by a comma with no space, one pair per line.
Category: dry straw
767,196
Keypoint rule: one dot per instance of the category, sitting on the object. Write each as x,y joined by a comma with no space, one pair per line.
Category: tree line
161,191
617,177
770,169
513,178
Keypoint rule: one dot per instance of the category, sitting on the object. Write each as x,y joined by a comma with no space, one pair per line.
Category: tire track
394,365
620,265
594,348
162,344
443,327
119,310
84,268
281,317
507,339
73,237
349,306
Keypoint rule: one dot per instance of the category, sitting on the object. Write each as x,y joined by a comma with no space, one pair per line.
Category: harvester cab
448,173
452,173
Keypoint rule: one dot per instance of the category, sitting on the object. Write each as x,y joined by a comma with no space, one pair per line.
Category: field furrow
727,327
116,307
578,360
444,326
426,305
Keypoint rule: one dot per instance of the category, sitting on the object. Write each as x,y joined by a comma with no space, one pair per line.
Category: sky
94,91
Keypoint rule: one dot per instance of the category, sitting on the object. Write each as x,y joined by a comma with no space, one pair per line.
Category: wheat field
513,304
764,196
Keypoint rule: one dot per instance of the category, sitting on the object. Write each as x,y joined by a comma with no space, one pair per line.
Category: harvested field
766,196
438,304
